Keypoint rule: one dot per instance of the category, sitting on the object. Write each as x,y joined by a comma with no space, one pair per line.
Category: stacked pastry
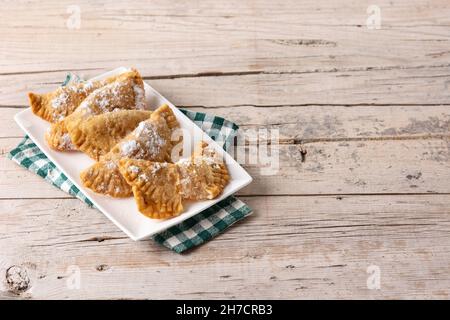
135,149
160,187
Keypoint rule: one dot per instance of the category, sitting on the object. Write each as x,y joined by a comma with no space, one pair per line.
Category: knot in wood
17,279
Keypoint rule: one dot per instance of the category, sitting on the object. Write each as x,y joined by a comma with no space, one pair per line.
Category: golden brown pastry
126,92
151,140
204,175
55,106
155,185
105,178
160,187
97,135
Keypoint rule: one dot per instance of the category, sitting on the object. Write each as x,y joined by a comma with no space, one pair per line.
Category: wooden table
364,214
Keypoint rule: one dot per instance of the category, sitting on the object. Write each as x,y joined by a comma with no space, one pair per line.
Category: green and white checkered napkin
186,235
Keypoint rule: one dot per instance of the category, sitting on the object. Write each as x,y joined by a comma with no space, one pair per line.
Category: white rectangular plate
123,212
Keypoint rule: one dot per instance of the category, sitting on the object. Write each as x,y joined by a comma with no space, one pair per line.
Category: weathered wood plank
318,247
336,167
403,86
391,166
328,123
312,123
233,37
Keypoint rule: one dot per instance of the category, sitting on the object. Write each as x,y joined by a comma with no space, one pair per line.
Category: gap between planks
241,73
350,105
319,195
323,140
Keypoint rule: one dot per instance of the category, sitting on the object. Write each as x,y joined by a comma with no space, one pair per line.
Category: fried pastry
126,92
204,175
155,185
104,177
55,106
151,140
99,134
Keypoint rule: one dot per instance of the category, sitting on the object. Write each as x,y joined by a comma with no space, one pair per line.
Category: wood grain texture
317,243
162,38
393,86
364,123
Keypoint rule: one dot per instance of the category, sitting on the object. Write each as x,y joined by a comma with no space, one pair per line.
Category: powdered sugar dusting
140,128
108,96
129,147
101,186
111,165
158,166
183,165
139,97
133,169
81,87
143,177
212,161
60,100
185,181
208,156
104,99
103,103
211,157
151,142
184,162
85,107
65,142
